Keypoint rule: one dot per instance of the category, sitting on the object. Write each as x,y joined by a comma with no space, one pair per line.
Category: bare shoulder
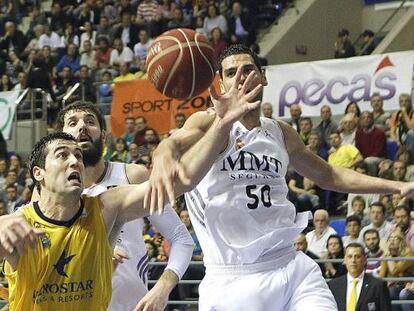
136,173
292,140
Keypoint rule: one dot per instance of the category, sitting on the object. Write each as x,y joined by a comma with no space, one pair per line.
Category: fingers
213,93
160,200
170,193
147,196
252,95
239,73
248,82
153,200
140,306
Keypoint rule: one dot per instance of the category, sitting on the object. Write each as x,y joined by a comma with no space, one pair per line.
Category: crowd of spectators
54,45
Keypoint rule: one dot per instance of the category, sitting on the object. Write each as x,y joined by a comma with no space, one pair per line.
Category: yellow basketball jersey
70,268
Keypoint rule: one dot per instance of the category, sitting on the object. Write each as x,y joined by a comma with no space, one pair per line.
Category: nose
73,161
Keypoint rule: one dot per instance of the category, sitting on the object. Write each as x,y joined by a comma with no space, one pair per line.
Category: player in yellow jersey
68,265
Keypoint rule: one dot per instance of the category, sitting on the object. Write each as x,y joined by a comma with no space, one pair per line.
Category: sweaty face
232,63
84,126
64,168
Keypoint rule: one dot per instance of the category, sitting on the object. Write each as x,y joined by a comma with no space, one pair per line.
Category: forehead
234,61
79,114
353,250
55,145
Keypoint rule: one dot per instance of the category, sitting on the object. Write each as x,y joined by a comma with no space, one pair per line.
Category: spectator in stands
88,55
120,54
6,11
401,268
142,47
187,7
315,145
267,110
300,244
105,92
140,127
86,12
3,211
3,165
154,272
13,199
129,133
214,19
402,123
403,221
151,142
124,72
348,127
407,293
200,8
404,155
344,155
295,114
149,16
399,170
381,117
368,42
17,166
178,20
49,61
218,42
14,65
358,205
88,35
166,8
378,222
58,18
353,228
127,31
197,252
335,249
13,39
102,55
142,69
305,126
71,59
5,83
87,89
353,107
241,24
371,142
133,155
372,243
120,153
69,36
49,38
318,237
199,26
104,29
343,46
326,126
34,42
180,119
64,82
39,76
303,193
358,290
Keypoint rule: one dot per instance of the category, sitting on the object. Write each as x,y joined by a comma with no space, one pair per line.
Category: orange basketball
180,63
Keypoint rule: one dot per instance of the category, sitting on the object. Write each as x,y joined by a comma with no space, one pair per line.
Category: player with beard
129,281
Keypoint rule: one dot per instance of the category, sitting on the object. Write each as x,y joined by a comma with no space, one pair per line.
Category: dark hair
341,244
80,106
361,165
358,113
356,245
39,152
353,218
215,8
154,247
402,207
141,117
11,186
236,49
380,204
306,119
359,198
371,231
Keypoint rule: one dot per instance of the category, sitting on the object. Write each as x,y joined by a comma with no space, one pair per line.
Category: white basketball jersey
239,210
130,278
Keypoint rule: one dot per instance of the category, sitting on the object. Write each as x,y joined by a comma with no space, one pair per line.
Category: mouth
75,176
84,138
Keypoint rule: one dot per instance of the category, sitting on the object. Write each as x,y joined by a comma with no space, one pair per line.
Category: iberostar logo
62,262
5,121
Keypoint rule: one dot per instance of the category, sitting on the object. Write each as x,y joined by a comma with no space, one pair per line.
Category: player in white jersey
129,280
239,210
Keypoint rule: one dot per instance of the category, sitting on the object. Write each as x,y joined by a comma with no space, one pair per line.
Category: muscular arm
330,177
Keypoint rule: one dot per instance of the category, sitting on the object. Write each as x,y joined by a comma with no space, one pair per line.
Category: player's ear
103,135
38,173
264,79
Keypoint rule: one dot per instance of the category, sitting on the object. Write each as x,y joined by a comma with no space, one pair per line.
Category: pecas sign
338,82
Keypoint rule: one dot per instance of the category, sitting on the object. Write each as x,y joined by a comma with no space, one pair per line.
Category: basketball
180,63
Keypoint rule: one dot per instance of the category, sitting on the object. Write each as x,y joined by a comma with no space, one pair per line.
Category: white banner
339,81
7,109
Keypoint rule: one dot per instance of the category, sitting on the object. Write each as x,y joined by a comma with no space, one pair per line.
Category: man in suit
358,291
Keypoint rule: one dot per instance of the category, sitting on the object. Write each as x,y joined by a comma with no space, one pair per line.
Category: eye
61,155
72,123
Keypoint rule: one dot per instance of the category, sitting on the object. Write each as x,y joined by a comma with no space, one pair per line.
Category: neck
94,172
57,206
251,119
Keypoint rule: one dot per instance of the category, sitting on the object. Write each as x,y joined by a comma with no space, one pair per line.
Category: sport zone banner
7,109
140,98
339,81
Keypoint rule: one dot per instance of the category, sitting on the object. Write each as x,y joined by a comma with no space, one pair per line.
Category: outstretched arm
336,178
